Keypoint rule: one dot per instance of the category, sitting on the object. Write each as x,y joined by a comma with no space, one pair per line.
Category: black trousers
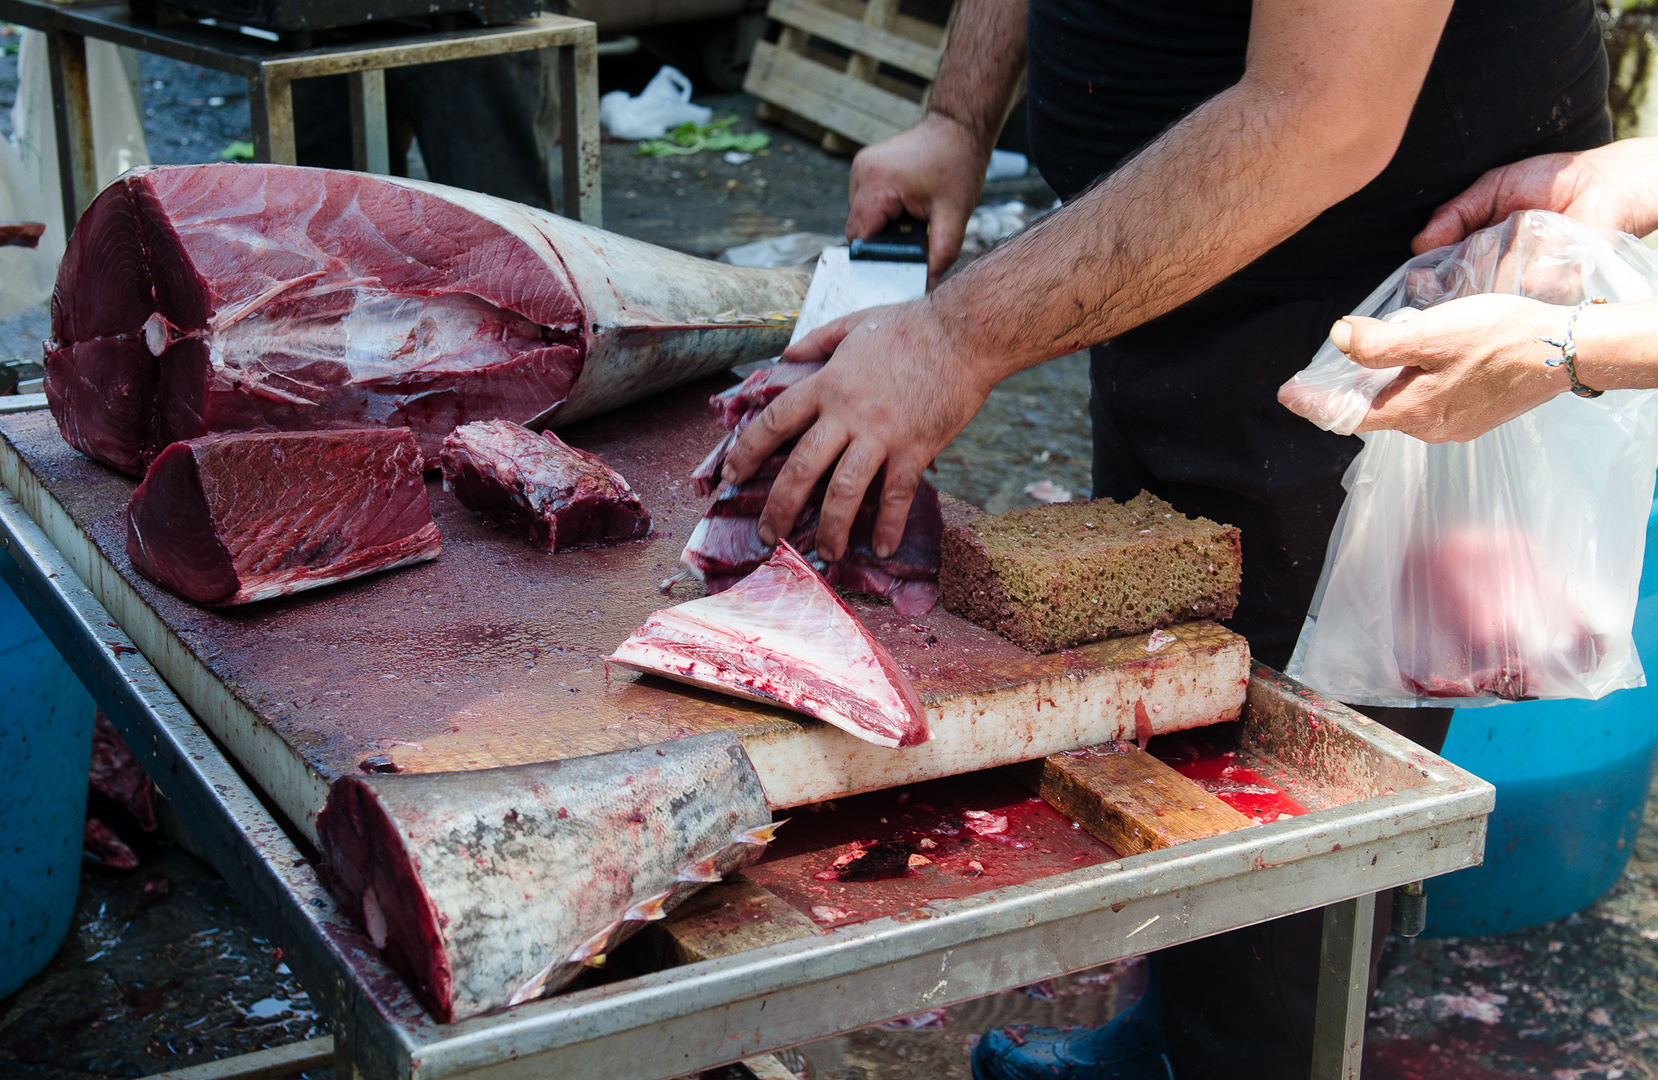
1185,407
476,119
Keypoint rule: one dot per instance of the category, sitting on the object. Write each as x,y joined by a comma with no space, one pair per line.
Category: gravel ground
164,969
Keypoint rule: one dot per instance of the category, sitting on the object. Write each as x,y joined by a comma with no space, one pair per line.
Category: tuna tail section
492,888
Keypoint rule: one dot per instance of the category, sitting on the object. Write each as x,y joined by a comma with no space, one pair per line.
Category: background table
362,54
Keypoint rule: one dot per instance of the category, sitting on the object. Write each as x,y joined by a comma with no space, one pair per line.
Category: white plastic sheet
1504,568
29,187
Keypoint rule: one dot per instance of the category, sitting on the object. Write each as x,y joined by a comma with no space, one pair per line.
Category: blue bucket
45,751
1572,779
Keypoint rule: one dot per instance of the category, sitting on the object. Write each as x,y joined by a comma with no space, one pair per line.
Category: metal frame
701,1015
270,72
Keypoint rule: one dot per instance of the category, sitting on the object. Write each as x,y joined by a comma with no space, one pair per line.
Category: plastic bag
664,103
29,189
1504,568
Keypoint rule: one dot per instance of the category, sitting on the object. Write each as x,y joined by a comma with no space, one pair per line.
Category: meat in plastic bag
1504,568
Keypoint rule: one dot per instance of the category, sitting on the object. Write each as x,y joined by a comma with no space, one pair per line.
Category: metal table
1411,816
363,54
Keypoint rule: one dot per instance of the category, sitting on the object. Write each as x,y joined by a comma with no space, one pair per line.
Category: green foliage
237,151
694,138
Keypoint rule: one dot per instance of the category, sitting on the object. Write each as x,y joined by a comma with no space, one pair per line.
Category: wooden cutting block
730,917
1132,801
493,654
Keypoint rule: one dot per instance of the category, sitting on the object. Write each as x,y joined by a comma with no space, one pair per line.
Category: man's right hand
935,170
1609,187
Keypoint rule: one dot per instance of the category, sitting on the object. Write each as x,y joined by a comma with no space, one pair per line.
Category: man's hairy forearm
1230,181
981,66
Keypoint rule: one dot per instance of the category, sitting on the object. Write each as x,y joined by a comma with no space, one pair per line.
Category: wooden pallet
846,102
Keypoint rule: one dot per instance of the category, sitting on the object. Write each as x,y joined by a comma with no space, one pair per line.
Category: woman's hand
1468,365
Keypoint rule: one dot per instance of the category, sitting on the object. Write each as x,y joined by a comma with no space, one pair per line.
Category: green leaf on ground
237,151
694,138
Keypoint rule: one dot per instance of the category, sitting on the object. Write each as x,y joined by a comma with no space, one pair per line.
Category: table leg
72,116
370,134
1343,989
271,108
578,73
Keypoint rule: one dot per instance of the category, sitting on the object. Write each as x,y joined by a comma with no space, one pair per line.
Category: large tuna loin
202,298
725,546
782,635
491,888
235,517
536,484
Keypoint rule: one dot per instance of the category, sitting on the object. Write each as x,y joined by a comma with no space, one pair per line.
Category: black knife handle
904,239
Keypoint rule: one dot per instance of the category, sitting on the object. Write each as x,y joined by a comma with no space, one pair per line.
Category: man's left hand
894,392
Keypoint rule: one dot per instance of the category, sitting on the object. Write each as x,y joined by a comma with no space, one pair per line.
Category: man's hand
1610,187
935,171
1469,364
891,395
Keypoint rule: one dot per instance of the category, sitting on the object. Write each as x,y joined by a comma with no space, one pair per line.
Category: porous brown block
1050,577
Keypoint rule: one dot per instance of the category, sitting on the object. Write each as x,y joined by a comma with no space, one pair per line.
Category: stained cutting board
493,654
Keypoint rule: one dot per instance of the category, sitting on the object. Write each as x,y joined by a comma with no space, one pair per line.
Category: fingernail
767,537
728,474
883,551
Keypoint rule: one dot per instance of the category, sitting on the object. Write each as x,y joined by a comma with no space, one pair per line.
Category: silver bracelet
1568,350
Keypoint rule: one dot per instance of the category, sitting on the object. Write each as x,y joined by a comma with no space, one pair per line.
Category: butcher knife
888,268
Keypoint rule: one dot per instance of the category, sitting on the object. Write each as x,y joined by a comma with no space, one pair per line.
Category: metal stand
1343,988
270,71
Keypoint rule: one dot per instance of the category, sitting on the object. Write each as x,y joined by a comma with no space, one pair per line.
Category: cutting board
493,655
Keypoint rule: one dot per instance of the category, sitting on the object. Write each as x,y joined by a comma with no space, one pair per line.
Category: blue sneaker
1129,1047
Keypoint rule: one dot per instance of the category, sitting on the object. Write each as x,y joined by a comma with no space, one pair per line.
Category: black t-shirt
1511,78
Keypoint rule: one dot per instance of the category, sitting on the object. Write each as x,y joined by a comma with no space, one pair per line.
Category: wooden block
730,917
1133,801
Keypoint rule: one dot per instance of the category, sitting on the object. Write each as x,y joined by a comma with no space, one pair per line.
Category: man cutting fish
1236,176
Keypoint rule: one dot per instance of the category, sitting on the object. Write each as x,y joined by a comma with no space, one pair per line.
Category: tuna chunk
534,483
491,888
230,518
782,635
725,546
205,298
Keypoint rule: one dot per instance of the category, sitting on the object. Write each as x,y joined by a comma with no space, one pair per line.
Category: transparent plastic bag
29,188
1499,569
664,103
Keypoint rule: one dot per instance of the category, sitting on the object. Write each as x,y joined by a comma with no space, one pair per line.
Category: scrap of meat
21,233
782,635
534,483
725,546
205,298
230,518
494,887
116,774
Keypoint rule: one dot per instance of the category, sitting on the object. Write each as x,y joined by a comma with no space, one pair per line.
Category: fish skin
782,635
498,886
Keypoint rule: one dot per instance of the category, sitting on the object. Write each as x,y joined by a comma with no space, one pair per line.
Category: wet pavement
164,969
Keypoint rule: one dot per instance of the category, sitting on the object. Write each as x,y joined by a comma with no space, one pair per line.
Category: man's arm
1323,103
935,170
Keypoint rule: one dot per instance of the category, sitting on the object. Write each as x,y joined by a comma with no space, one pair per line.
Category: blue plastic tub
45,749
1572,780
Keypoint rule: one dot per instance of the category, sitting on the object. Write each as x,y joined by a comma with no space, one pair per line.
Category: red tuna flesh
782,635
493,887
230,518
725,546
209,298
1482,614
534,483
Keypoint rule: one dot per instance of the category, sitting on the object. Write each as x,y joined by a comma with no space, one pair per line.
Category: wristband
1568,351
